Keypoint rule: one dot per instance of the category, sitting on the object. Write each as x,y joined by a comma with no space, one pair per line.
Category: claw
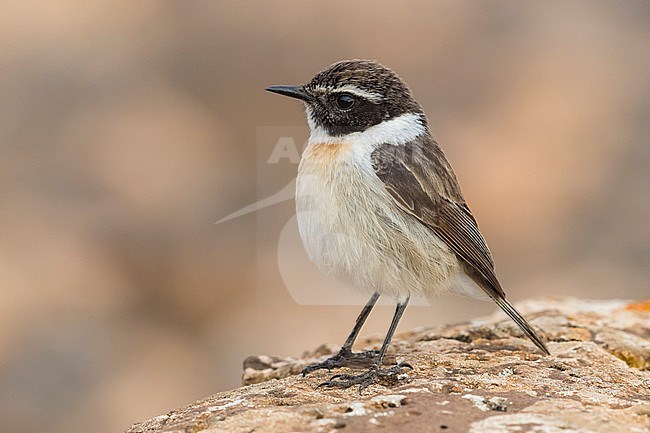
344,358
327,384
311,368
405,365
364,379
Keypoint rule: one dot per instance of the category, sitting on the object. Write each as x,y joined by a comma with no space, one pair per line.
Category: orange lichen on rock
639,306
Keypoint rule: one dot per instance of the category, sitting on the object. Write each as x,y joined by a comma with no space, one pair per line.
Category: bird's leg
368,377
345,357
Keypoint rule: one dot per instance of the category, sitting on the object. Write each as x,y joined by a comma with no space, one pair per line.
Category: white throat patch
397,131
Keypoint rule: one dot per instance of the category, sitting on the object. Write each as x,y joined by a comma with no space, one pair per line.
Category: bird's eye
345,101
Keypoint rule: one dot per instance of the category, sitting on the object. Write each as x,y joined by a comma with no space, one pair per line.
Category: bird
380,209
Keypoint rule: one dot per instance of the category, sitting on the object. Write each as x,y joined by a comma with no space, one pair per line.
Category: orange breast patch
327,153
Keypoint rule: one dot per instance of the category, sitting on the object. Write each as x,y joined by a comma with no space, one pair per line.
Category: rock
481,377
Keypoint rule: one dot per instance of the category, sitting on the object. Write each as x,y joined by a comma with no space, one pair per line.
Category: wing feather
422,183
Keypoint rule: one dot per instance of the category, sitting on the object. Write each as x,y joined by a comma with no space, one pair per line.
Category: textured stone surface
481,377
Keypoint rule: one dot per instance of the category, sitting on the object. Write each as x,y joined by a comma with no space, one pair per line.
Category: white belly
353,230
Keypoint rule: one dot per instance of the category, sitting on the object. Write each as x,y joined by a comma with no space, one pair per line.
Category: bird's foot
345,358
365,379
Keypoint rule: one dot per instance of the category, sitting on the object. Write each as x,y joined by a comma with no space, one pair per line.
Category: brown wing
419,178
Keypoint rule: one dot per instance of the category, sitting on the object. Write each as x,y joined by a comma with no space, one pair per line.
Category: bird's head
352,96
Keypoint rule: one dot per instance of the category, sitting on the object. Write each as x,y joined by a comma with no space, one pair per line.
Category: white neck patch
396,131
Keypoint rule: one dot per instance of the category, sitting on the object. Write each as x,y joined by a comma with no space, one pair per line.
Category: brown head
353,95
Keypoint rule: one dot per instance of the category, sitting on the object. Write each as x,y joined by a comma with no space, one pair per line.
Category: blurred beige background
127,129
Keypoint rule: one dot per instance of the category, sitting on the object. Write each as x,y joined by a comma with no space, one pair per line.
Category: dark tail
526,327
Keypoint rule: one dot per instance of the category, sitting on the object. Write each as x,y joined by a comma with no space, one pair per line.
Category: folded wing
419,178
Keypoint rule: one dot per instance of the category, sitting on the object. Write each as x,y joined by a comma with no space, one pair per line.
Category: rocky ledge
478,377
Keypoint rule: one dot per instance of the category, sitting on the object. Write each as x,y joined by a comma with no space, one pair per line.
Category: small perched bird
379,206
